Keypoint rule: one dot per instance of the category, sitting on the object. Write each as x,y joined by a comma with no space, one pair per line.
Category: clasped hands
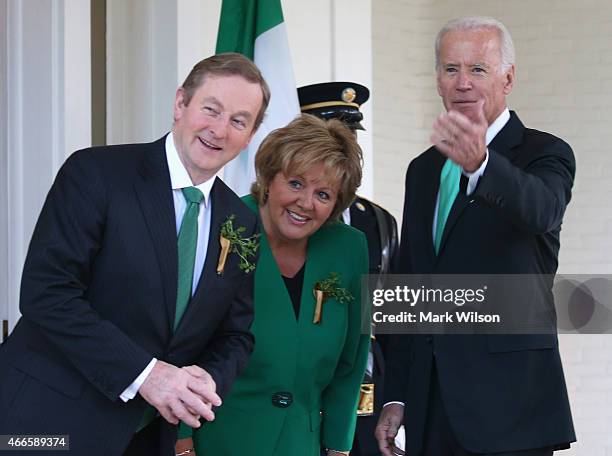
181,394
462,138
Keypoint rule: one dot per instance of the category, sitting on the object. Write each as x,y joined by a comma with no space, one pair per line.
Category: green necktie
187,243
449,188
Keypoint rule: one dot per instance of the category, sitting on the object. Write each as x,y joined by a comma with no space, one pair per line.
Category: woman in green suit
300,389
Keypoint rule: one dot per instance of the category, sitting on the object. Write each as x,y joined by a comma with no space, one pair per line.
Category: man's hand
181,394
462,139
205,380
390,420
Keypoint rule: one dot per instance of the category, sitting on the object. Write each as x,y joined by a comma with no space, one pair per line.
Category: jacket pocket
55,376
512,343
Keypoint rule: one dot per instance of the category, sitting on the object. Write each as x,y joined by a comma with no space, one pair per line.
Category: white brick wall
564,76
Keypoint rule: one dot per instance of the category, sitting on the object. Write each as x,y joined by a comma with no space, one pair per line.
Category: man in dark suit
480,394
125,330
342,100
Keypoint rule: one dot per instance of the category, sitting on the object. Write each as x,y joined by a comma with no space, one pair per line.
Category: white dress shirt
179,179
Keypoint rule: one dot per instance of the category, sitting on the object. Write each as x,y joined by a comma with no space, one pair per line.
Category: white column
44,69
75,86
141,69
309,30
4,239
352,61
197,33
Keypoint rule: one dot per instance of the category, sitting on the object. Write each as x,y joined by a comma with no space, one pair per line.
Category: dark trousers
365,443
439,439
147,441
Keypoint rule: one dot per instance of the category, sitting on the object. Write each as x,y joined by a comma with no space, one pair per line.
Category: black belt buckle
282,399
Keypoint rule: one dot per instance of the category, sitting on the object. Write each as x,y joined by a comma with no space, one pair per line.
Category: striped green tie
187,243
449,188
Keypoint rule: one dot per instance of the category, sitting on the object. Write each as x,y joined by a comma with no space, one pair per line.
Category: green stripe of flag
243,21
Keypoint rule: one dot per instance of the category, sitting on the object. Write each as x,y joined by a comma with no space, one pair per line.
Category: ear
179,103
509,80
438,83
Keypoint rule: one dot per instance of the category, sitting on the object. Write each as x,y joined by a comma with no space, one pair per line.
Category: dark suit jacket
501,392
98,299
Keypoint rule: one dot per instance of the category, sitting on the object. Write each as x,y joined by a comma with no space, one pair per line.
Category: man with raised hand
487,198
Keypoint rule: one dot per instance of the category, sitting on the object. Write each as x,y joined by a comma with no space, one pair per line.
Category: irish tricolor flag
256,29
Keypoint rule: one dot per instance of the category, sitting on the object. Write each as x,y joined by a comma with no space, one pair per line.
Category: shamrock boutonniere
329,288
232,241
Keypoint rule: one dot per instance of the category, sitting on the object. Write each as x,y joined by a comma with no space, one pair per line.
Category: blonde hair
305,142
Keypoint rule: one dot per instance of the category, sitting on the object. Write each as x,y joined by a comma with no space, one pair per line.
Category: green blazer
320,365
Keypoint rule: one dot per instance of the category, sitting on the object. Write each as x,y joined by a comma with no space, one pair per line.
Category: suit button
282,399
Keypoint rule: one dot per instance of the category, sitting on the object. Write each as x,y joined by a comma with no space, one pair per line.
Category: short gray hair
506,46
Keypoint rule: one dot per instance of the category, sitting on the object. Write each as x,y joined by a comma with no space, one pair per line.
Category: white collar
497,125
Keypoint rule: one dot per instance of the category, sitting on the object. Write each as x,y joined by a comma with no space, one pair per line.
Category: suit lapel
221,209
279,309
274,314
430,190
154,193
509,137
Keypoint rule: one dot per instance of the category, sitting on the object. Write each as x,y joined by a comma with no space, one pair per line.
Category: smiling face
216,123
297,206
470,70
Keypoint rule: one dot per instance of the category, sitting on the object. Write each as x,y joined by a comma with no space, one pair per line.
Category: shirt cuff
474,176
130,391
394,402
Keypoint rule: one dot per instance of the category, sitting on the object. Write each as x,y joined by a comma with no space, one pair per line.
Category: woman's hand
337,453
